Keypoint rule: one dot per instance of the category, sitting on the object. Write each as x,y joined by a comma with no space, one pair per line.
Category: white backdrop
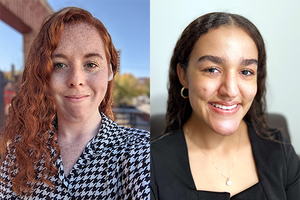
278,22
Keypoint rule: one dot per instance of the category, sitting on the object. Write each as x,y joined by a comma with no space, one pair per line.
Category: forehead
226,41
79,38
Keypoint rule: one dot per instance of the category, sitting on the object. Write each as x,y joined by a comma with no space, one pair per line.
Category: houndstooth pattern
114,165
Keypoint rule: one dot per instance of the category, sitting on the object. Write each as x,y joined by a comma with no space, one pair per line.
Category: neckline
190,172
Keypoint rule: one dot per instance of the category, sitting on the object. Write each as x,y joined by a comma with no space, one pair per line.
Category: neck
85,128
202,136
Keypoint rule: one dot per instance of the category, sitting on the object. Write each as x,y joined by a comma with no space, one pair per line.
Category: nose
75,77
229,85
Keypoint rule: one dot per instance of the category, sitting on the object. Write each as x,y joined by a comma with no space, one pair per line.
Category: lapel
270,164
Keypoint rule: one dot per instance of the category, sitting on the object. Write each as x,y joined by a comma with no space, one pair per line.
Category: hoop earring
181,92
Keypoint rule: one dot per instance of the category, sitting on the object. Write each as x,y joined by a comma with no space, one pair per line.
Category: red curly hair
27,131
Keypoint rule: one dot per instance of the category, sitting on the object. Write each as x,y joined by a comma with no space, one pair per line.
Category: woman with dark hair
60,141
217,144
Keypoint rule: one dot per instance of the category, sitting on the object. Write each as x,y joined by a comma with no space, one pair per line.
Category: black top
277,164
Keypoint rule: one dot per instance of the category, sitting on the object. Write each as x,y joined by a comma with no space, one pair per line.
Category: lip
76,98
222,111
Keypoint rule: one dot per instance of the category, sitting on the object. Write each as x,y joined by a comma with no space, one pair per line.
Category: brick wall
1,99
26,16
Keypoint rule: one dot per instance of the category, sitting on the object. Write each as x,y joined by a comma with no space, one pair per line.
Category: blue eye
247,72
211,70
59,65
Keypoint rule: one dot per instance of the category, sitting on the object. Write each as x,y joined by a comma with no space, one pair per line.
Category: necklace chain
228,182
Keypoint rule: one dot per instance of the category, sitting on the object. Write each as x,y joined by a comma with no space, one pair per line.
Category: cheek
203,88
248,91
99,81
55,83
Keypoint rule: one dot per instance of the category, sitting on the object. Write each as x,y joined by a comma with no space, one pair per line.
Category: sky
127,21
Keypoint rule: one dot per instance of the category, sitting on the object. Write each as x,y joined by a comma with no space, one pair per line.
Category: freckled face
221,78
80,75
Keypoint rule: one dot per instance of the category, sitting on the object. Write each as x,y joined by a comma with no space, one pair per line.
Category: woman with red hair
60,141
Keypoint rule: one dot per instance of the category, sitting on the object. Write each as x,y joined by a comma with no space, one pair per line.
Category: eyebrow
58,55
92,55
219,60
246,62
88,55
211,58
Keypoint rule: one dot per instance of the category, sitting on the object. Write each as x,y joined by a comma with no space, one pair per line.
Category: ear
111,73
182,76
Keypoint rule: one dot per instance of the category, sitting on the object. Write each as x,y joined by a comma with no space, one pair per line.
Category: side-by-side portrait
149,100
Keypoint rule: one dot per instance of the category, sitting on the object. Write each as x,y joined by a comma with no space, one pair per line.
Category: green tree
147,87
126,87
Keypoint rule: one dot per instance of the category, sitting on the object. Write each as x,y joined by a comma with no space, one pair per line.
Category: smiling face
80,75
221,78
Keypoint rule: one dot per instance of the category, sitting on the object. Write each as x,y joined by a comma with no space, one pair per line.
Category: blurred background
278,22
127,21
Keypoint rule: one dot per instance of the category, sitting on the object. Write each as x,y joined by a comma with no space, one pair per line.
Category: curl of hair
27,131
179,110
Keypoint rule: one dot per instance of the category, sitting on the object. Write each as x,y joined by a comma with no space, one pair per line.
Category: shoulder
124,136
169,167
168,141
292,165
132,146
276,157
276,143
168,149
134,141
134,137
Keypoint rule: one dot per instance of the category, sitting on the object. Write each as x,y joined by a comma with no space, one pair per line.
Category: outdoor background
278,22
127,21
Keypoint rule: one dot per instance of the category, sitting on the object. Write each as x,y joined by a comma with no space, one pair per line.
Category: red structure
26,16
8,95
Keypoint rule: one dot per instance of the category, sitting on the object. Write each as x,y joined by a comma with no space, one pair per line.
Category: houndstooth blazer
115,164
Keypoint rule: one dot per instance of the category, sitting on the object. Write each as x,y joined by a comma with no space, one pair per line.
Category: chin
226,128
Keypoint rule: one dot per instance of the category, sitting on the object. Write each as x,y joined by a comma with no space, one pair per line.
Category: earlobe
182,76
111,73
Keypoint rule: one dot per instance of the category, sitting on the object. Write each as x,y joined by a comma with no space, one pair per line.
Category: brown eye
247,72
211,70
